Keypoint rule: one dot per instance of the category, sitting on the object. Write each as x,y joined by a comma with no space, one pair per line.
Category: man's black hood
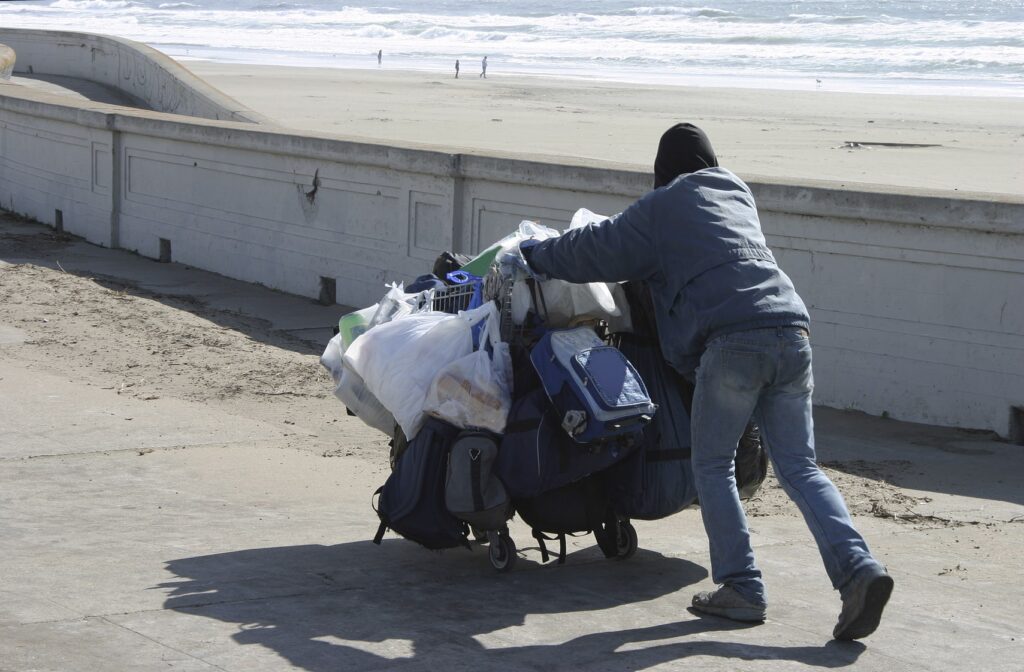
684,148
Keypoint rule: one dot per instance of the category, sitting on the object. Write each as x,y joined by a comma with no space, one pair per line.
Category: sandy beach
941,143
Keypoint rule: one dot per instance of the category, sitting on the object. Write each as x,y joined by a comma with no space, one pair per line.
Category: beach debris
861,144
958,571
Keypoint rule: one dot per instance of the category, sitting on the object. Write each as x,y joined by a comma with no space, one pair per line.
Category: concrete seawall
917,300
141,72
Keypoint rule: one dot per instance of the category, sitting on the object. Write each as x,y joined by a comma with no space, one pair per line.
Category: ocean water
923,46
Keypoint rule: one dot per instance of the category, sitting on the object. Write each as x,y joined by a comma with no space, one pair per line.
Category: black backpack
577,508
411,501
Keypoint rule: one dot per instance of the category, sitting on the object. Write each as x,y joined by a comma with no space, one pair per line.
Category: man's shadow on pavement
355,606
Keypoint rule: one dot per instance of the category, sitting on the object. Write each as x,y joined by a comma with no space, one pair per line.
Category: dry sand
945,143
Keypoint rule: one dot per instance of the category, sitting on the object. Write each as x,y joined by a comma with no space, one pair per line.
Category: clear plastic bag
475,391
397,304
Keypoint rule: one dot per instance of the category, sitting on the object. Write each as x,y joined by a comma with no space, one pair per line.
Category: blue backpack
537,455
412,500
598,394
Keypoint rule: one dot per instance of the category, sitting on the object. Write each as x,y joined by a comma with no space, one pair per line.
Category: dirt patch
147,344
110,333
868,488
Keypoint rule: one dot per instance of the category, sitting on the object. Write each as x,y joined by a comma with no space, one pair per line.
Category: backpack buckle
574,422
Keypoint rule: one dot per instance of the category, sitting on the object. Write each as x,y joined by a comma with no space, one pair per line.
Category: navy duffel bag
537,455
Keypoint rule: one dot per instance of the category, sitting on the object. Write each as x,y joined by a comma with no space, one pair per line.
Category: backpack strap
544,554
382,528
474,479
667,455
537,295
602,519
539,536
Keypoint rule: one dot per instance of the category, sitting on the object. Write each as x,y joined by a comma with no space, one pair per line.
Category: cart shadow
354,606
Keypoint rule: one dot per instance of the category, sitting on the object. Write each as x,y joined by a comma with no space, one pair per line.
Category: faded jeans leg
727,390
784,414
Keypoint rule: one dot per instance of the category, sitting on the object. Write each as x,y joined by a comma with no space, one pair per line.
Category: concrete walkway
78,89
173,529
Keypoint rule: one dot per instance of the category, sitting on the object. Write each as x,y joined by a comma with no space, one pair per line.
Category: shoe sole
875,598
733,614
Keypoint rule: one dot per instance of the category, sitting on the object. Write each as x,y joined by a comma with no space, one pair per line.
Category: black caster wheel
626,540
502,553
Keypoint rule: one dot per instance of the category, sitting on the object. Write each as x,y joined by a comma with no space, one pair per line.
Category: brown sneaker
863,601
727,603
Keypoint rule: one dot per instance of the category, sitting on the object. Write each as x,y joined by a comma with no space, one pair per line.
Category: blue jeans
764,373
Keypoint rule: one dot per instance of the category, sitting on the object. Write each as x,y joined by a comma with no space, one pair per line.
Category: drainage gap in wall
165,251
328,291
1017,425
58,221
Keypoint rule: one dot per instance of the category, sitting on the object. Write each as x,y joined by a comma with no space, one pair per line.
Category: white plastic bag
332,357
476,390
568,303
400,359
349,386
350,389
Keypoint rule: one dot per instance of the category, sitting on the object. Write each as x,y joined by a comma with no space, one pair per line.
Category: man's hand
514,261
512,264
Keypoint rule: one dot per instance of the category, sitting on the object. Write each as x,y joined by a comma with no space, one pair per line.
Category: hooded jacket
698,245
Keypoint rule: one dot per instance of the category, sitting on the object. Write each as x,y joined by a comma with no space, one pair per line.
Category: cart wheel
627,540
503,553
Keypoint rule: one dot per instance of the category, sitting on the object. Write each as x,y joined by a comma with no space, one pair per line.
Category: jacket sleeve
618,249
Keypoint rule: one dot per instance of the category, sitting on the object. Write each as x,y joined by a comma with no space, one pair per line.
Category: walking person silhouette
483,68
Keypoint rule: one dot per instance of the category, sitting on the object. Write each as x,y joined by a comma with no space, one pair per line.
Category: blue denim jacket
698,245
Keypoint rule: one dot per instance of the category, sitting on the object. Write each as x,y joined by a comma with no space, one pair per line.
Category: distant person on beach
483,66
380,56
456,68
730,321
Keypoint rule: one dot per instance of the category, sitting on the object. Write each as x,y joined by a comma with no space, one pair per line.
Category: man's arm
617,249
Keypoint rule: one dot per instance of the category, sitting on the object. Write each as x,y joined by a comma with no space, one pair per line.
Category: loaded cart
505,394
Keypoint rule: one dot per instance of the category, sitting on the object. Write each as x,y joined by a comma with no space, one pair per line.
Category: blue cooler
598,394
